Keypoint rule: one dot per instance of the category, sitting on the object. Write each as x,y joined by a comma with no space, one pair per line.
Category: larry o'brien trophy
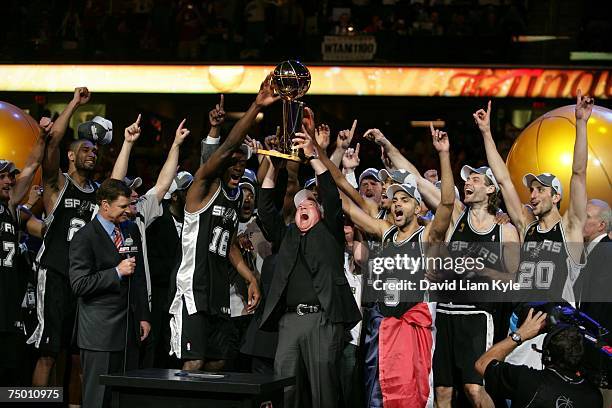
291,80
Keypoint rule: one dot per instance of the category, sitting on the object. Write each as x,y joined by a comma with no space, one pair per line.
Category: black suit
163,250
593,292
102,304
324,254
310,346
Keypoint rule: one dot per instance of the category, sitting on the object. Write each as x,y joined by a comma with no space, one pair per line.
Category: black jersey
201,277
374,246
395,301
546,266
466,242
10,293
74,208
530,388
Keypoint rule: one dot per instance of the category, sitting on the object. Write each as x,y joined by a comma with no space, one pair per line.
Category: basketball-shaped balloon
547,146
18,133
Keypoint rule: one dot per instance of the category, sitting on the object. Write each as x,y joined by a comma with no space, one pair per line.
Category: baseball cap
246,149
369,172
398,176
182,181
249,176
98,130
310,183
484,170
8,166
408,188
133,183
438,185
302,195
546,179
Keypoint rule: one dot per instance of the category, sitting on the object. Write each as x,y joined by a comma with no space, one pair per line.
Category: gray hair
605,213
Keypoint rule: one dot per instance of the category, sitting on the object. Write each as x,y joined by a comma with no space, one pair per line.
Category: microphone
128,248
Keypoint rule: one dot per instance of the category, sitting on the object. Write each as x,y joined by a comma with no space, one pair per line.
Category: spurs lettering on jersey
229,215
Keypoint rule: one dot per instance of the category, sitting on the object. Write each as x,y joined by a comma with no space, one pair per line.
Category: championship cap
98,130
484,170
8,166
408,188
182,181
370,172
133,183
546,179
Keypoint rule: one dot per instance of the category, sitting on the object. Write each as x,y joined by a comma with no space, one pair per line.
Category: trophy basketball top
291,79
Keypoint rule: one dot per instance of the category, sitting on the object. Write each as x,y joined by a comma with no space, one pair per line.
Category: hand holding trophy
291,80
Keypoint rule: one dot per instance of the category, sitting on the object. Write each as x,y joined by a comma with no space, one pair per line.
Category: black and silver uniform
10,293
395,302
74,208
546,267
201,278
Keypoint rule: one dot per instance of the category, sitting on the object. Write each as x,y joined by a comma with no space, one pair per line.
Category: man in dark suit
593,290
310,299
103,257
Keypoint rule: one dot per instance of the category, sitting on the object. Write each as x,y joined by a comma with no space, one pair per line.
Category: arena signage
348,48
326,80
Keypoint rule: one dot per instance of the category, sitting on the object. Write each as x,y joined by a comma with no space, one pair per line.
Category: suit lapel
107,240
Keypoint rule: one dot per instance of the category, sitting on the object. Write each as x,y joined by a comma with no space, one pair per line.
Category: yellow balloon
18,133
547,146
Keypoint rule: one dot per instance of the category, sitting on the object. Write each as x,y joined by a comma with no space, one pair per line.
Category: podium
158,388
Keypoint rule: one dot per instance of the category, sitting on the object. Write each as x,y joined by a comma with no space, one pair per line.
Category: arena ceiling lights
326,80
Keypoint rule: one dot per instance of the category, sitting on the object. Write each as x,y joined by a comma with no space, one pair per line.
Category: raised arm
575,216
293,186
270,218
215,164
518,214
362,220
51,175
343,141
130,136
216,117
397,159
35,158
168,171
436,230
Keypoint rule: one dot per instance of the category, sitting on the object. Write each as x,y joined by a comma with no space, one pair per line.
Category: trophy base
281,155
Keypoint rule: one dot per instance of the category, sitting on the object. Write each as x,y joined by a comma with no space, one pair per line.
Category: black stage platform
153,388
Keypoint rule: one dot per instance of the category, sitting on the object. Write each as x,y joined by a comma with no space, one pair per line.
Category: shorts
206,336
463,335
56,313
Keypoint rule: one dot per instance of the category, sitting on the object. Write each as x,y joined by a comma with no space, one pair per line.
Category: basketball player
201,293
473,220
14,185
549,263
69,202
404,236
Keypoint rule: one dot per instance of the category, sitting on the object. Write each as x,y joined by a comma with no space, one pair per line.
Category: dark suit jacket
323,252
102,295
163,247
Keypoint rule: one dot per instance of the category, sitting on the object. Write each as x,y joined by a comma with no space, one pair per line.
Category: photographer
558,383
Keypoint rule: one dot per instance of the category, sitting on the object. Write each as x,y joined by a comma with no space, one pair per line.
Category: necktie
117,240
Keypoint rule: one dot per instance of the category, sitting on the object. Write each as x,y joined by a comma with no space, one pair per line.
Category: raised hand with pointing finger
350,160
439,139
181,133
216,116
132,132
483,119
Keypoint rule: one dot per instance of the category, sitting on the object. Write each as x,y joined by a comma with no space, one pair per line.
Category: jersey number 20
543,271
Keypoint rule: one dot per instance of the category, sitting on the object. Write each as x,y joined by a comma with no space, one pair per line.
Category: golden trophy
291,80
